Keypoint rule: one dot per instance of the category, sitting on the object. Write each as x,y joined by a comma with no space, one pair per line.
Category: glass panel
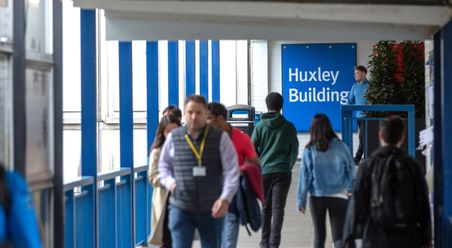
42,204
5,109
6,21
39,35
38,85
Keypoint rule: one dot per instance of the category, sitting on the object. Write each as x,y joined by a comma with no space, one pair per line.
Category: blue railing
115,216
347,118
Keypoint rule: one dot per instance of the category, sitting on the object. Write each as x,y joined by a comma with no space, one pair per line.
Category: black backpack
395,193
4,195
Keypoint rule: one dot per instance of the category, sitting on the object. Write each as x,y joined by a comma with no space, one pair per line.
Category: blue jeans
230,233
182,226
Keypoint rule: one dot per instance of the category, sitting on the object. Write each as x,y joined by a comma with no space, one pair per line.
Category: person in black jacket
389,206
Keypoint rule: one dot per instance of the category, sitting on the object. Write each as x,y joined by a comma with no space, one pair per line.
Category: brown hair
197,99
392,129
159,134
321,132
361,68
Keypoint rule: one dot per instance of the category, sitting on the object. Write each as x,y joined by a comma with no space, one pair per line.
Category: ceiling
268,20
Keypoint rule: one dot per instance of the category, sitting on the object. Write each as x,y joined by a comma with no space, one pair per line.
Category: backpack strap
4,194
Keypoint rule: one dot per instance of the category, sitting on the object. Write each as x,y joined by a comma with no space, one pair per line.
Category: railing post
88,117
126,229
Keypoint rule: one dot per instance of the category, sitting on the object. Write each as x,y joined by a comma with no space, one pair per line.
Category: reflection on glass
6,21
42,204
5,106
38,26
37,94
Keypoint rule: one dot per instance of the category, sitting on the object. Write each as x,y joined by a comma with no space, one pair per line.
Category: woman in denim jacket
326,173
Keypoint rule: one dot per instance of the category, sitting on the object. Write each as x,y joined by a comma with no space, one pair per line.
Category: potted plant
397,77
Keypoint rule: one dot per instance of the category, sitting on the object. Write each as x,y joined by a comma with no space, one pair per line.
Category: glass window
38,116
5,109
6,21
39,26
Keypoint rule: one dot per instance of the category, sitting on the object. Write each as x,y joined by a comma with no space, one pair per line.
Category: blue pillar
190,88
446,121
125,215
173,73
152,88
215,71
204,69
88,119
437,151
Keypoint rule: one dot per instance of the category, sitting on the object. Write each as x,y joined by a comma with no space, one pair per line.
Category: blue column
152,88
190,88
125,215
204,69
173,73
88,119
437,151
215,71
446,139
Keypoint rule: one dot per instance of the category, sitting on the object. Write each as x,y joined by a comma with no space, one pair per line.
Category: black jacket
359,224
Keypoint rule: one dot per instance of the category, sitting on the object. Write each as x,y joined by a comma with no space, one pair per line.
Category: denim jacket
325,173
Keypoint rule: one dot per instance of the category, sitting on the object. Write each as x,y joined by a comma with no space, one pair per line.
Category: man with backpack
389,206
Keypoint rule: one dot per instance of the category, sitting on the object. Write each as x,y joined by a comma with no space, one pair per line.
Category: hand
302,210
173,187
220,208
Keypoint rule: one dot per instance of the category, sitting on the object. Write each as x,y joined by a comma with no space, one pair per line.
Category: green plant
397,75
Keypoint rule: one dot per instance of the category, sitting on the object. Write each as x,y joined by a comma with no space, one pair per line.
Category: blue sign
316,78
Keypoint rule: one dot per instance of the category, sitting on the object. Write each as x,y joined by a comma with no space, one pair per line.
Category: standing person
357,96
198,164
245,151
276,143
172,110
389,206
159,218
326,173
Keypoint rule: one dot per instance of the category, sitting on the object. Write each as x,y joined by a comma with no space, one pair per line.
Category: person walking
276,143
198,164
161,235
326,173
389,206
357,96
245,151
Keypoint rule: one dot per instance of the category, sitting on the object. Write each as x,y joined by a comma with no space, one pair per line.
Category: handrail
79,182
347,117
113,174
140,168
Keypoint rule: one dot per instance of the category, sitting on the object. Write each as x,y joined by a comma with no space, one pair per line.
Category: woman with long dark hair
326,173
159,218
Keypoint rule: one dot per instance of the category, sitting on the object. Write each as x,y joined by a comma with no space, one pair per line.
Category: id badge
199,171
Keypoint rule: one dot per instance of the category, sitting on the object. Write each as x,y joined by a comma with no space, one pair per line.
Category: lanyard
201,150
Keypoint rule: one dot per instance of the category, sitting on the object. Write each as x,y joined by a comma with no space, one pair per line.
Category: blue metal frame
89,126
173,73
152,112
190,88
125,190
204,69
347,118
446,138
215,71
437,149
152,88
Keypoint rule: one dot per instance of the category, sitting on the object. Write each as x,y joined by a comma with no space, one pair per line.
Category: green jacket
276,143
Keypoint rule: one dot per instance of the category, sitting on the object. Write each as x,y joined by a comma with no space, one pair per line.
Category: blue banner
316,78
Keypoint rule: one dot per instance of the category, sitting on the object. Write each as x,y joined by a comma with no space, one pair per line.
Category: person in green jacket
276,143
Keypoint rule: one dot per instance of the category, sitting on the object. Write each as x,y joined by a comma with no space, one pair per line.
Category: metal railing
115,215
347,118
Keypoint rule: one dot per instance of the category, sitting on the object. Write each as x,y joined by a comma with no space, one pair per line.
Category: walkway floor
297,230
